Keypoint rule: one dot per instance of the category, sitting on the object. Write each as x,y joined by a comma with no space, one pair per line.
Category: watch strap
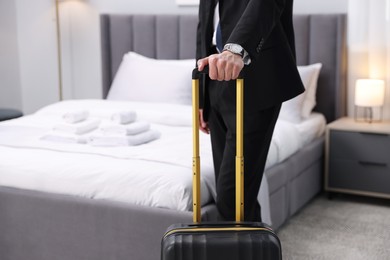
232,47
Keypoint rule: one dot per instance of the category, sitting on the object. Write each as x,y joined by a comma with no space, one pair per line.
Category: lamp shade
369,92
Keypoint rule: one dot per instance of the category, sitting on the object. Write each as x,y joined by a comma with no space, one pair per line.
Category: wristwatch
238,49
234,48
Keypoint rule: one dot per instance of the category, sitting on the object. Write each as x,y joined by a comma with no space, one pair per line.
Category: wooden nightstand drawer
358,146
361,176
358,158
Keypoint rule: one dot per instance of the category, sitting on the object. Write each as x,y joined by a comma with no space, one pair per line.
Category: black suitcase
220,240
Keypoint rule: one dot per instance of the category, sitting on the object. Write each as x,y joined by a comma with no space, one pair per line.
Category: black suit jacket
264,29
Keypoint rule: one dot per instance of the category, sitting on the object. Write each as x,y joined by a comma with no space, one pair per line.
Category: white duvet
156,174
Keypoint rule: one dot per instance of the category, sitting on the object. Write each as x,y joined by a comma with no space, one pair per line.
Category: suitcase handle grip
196,73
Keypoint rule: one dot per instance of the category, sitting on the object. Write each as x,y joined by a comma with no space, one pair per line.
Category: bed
61,220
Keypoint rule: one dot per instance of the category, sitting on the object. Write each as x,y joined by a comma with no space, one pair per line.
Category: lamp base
368,114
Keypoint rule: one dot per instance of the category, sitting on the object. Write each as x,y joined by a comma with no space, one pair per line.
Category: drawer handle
373,164
374,134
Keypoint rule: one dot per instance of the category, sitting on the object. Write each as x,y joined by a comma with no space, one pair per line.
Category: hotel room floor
347,228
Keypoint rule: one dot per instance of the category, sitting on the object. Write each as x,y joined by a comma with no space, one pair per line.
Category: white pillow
145,79
300,107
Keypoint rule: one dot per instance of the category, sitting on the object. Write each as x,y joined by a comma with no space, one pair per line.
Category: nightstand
357,158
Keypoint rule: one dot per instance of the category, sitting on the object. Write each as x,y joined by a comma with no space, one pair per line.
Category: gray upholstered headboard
319,38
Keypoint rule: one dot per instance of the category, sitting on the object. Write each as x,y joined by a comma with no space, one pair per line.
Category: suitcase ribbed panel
213,245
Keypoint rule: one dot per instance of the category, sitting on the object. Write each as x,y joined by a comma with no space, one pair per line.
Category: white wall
320,6
84,78
81,39
37,46
369,46
37,53
10,88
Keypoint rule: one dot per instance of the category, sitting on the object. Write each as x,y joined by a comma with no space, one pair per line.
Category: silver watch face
235,48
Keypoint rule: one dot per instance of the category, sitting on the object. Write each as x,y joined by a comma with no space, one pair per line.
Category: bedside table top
349,124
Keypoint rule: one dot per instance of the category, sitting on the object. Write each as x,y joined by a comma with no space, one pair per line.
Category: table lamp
369,94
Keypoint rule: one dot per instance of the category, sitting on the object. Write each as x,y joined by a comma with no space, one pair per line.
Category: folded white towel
65,138
75,116
124,117
78,128
129,129
130,140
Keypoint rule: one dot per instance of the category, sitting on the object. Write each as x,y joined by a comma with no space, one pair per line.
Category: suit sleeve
198,42
256,24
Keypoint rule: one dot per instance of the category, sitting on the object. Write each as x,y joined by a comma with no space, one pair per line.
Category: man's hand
223,66
203,126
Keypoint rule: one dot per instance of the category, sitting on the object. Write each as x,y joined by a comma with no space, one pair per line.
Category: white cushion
145,79
300,107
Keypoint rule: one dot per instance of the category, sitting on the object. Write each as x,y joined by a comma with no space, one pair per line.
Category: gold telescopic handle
195,158
240,151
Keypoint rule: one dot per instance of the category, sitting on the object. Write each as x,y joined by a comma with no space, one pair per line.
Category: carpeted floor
345,228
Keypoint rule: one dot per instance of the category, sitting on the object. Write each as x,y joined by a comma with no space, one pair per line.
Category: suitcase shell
219,240
224,240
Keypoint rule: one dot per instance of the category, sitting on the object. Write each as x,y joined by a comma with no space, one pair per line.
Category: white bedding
155,174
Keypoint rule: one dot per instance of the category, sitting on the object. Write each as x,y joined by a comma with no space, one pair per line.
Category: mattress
156,174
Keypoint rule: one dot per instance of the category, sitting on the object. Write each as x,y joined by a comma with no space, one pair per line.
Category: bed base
44,226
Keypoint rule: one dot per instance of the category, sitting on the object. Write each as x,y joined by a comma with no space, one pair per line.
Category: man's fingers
224,66
203,63
236,72
229,72
213,69
204,129
203,126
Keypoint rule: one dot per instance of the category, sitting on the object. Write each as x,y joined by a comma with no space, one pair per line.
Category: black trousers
258,129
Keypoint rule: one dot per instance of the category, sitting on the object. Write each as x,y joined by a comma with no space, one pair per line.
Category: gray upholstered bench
6,114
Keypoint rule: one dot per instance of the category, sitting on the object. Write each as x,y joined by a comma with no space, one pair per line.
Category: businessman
256,36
